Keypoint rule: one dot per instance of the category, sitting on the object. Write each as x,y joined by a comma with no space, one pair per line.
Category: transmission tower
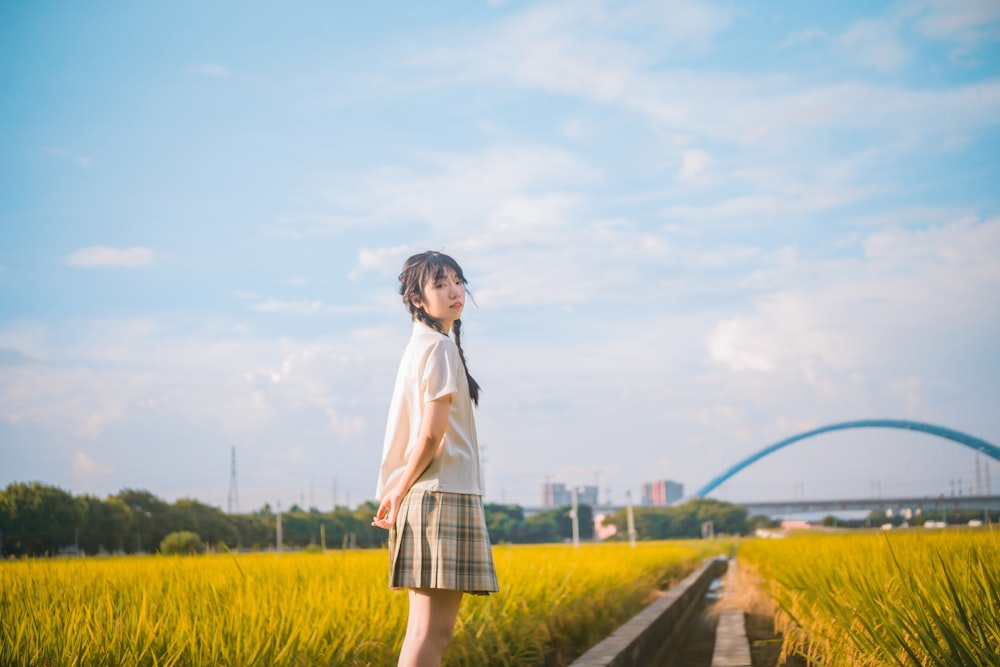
233,500
979,479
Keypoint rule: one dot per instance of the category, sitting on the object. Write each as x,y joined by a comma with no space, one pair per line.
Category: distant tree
727,518
182,543
683,521
253,531
106,524
38,519
564,522
300,528
151,520
505,523
651,523
209,522
761,521
541,527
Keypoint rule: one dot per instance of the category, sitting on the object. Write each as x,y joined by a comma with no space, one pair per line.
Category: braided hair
420,269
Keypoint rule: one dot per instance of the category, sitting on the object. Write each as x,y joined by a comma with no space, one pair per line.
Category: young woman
430,485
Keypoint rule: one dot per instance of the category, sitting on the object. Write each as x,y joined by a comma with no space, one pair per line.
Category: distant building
661,492
557,495
586,495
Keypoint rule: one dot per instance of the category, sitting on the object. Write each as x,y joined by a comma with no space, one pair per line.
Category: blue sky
692,229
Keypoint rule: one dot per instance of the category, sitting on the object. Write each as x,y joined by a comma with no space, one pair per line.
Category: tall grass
317,609
863,600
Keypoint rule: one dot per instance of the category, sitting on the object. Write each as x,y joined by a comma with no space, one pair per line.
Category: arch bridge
972,442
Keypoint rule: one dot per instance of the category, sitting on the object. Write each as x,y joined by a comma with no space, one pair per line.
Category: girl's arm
432,428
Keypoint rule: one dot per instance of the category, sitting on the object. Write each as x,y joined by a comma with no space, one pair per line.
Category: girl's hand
385,516
432,428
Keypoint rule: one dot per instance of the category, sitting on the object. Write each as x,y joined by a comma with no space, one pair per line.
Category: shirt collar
420,327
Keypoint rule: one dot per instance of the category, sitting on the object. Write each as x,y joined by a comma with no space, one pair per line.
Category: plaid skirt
439,540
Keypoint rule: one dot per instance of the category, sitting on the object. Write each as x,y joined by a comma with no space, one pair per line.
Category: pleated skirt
440,540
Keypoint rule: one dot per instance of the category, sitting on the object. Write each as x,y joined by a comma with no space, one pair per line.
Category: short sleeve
439,375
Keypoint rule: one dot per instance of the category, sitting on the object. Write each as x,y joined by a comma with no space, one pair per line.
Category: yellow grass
318,609
914,598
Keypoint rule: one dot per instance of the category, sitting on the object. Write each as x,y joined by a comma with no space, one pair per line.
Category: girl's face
443,299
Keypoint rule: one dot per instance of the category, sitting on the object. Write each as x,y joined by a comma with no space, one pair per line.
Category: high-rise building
661,492
557,495
586,495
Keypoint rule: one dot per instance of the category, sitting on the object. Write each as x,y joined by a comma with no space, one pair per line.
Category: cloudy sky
692,229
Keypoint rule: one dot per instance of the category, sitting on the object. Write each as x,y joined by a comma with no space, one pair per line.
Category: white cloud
107,256
786,329
967,22
65,154
288,307
28,339
693,163
906,291
582,48
134,383
214,70
874,43
86,468
448,191
913,392
385,261
570,50
802,37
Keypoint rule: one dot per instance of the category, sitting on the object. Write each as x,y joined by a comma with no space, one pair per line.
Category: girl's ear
415,299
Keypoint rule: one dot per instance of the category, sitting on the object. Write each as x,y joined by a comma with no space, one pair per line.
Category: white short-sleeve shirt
431,368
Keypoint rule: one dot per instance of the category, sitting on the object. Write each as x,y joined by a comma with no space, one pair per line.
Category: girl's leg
429,626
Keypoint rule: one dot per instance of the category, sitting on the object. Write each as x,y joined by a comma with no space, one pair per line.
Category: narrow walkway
698,641
716,634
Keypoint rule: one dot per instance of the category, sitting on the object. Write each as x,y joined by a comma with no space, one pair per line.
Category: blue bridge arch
950,434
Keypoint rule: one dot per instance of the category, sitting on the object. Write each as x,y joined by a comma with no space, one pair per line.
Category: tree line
38,519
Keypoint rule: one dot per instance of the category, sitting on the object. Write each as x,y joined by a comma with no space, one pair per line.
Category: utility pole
575,515
277,528
979,479
631,518
233,500
986,511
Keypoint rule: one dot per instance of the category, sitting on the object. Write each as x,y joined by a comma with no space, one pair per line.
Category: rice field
859,600
319,609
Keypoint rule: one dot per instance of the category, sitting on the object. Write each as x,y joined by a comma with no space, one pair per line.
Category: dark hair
420,269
